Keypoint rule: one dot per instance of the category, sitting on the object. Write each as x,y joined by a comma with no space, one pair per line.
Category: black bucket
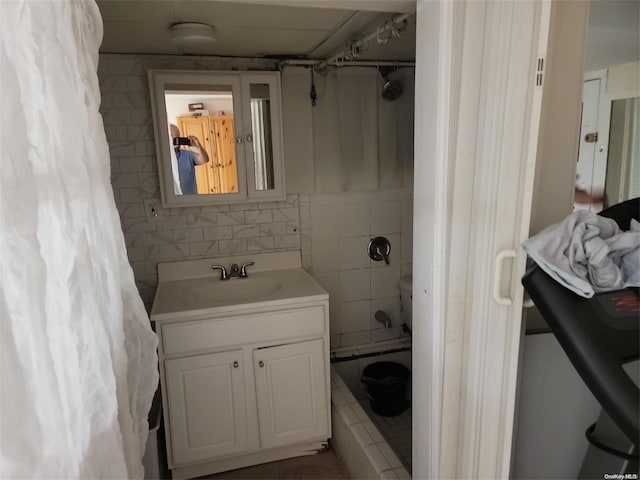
386,387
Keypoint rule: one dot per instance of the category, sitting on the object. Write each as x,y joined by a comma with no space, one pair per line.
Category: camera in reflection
181,141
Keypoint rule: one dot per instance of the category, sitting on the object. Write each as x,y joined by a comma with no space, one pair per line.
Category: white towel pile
588,253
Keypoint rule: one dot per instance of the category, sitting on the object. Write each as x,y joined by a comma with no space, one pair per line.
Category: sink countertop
198,296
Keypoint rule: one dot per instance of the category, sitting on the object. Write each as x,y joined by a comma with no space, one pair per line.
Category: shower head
391,89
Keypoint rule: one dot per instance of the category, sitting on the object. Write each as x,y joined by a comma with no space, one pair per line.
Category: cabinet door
291,393
207,412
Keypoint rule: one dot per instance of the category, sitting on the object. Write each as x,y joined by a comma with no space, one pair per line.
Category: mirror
261,129
623,161
218,136
201,125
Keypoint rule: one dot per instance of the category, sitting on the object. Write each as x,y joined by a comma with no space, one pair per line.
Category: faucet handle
223,271
243,271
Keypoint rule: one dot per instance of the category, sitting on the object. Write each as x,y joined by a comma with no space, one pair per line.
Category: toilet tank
406,291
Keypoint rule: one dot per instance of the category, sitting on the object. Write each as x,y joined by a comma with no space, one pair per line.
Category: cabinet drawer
185,337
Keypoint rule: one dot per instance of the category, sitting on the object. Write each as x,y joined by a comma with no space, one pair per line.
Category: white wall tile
218,233
353,219
287,241
202,220
258,216
260,244
354,316
385,334
386,217
231,247
376,458
353,252
362,436
274,228
373,431
324,255
384,281
189,235
285,215
203,249
355,284
402,473
230,218
391,458
406,246
355,338
388,475
245,231
324,221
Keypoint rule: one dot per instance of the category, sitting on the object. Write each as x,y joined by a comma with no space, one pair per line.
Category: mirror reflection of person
187,161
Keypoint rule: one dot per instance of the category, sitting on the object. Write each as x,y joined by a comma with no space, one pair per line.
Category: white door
207,412
590,175
291,393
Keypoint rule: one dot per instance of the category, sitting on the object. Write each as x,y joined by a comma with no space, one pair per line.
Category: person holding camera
187,159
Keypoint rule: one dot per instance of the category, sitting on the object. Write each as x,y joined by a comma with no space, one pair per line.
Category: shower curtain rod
389,29
355,63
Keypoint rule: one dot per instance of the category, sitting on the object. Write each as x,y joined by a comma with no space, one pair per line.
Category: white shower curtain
78,361
351,140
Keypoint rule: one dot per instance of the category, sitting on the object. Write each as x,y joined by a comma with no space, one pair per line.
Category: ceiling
254,28
321,28
613,35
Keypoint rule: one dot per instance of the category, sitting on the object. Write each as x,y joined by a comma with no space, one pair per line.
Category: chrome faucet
223,271
382,317
236,271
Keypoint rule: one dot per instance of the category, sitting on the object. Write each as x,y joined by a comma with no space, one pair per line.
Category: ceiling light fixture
192,33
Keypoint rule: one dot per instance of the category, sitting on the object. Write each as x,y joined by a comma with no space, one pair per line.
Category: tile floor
323,466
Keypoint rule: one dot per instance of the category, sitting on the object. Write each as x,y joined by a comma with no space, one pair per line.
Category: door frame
476,115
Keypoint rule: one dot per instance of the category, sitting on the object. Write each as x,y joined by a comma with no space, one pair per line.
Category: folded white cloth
588,253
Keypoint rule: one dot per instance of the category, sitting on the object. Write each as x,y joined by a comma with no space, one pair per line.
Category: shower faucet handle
379,249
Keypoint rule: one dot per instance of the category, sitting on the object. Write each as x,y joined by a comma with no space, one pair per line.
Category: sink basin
208,295
213,291
236,289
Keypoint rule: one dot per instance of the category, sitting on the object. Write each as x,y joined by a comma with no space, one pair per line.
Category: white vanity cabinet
290,389
243,383
208,408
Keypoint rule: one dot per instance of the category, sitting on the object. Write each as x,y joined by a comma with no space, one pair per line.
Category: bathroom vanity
244,363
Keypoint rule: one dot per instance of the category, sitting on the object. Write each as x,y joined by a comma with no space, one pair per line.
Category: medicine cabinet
237,120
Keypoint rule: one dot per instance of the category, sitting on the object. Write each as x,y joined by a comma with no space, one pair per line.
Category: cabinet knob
239,140
261,364
249,138
236,364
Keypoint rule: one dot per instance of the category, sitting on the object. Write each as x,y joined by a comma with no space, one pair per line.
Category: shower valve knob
379,249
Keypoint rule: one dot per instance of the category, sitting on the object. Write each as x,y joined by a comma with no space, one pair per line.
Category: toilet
405,283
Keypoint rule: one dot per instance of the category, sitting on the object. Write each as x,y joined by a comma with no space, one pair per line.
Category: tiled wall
331,230
341,227
176,233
